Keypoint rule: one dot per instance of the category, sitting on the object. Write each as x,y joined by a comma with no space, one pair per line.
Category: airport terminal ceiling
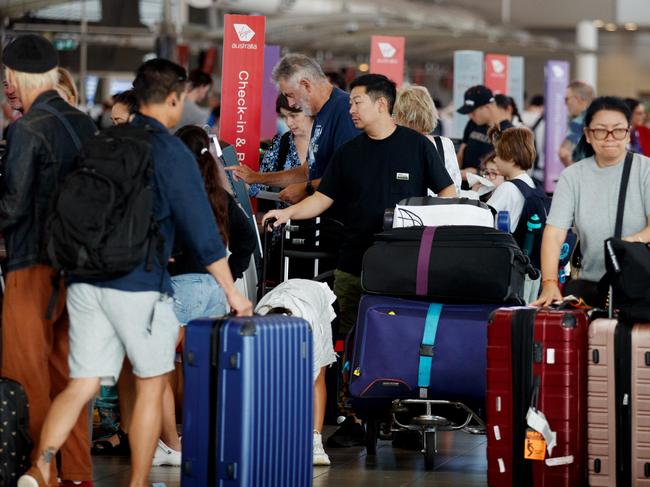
329,28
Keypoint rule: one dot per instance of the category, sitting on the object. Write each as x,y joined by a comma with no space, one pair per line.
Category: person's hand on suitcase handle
240,304
237,301
550,293
275,218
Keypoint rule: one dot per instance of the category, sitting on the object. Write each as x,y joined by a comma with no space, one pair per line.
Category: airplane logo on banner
558,71
387,50
244,32
497,66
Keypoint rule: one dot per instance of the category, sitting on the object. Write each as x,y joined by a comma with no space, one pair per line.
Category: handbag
627,265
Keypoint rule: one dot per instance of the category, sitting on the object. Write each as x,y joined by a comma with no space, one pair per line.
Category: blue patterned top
270,158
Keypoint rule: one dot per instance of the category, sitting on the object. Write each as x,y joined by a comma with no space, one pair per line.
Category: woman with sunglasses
586,197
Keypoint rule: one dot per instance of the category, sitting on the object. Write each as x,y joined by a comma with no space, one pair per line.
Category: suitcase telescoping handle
268,234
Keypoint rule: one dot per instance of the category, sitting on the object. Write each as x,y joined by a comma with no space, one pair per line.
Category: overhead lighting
364,68
631,27
610,27
599,24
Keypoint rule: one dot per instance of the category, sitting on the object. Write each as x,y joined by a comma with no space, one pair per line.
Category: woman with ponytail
235,229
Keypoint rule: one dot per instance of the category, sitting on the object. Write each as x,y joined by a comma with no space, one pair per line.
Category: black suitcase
15,442
447,264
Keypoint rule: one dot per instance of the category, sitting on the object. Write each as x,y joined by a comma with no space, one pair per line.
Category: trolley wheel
372,430
429,449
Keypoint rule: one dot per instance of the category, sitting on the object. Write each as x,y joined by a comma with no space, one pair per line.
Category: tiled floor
460,462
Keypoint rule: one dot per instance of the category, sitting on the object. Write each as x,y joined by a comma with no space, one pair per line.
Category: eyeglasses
602,134
489,174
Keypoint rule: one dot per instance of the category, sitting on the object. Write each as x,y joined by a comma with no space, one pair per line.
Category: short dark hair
156,79
377,85
282,102
537,100
198,78
610,103
128,99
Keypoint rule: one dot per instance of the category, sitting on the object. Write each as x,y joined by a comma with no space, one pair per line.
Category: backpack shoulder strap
441,148
283,152
50,109
525,190
537,122
627,166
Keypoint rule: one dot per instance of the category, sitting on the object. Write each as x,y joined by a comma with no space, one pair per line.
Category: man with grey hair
578,97
303,82
42,146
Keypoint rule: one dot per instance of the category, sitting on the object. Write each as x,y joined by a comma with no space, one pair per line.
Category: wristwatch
310,188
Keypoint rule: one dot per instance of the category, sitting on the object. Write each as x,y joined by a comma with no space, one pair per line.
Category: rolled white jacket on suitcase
437,212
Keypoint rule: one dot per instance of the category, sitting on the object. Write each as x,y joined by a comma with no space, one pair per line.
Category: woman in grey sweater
586,198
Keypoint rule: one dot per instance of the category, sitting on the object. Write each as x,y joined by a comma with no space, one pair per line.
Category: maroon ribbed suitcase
537,356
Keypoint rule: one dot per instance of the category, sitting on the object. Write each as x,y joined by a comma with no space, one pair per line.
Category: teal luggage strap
427,347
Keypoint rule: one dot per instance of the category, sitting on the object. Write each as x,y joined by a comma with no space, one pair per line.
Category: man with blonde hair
41,148
578,97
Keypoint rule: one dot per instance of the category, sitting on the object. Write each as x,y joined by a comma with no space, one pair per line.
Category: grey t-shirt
587,196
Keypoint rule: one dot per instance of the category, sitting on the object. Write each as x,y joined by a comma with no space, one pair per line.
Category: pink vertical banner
387,57
269,93
496,73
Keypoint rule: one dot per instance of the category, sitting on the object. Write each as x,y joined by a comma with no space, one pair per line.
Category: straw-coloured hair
33,81
515,144
67,88
415,109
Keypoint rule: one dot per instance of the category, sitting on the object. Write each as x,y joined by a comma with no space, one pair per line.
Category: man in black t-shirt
479,104
366,175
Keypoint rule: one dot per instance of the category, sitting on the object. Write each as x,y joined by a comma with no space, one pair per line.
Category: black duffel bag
447,264
628,265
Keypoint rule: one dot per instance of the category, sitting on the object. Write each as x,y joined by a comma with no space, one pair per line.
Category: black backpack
15,442
530,228
102,224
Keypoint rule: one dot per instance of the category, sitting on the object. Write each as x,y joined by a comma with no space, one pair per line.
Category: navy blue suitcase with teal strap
248,405
413,349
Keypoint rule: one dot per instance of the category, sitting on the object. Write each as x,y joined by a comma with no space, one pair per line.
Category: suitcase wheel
372,431
429,449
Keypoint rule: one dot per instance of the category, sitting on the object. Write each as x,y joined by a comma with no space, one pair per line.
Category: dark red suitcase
544,350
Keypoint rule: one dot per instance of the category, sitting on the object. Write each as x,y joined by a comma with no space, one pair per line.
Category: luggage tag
534,446
539,424
539,434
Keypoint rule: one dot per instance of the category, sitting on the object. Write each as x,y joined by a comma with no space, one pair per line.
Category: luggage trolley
393,385
426,417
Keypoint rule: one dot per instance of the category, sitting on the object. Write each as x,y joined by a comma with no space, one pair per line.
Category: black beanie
30,54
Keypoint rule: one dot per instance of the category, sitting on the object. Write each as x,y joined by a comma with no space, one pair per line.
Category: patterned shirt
270,159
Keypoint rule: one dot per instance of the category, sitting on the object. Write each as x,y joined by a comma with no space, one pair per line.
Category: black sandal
107,448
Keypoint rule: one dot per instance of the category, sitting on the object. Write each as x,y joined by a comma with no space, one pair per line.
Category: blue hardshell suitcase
248,407
415,349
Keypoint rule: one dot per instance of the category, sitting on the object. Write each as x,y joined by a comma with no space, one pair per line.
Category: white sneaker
166,456
320,457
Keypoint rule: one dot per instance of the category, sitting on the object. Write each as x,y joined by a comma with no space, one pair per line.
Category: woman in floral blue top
289,150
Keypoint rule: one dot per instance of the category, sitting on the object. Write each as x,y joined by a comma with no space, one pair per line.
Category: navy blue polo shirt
332,128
